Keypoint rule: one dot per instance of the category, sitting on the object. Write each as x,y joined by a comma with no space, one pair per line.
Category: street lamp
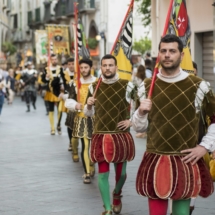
100,36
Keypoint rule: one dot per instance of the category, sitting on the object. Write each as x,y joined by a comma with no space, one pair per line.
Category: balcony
70,8
17,36
86,6
60,9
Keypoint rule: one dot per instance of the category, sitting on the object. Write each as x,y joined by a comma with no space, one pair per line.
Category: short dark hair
195,65
53,55
70,60
64,63
87,61
171,38
141,72
109,56
148,62
148,54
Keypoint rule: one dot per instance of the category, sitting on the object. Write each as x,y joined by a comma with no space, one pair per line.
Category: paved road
38,177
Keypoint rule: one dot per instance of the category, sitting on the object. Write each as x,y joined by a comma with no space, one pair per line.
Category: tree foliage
142,45
8,48
144,9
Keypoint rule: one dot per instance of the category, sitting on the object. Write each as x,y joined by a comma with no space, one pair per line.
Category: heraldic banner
41,46
58,36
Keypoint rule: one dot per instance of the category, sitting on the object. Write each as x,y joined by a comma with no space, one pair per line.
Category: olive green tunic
173,121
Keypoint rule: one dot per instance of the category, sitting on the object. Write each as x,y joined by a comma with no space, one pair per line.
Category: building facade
202,23
5,8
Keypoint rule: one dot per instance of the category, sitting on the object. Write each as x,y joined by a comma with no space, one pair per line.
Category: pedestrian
172,166
10,82
195,69
148,66
28,81
140,76
82,126
2,90
111,140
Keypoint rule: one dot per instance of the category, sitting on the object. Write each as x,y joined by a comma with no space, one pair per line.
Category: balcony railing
86,5
17,36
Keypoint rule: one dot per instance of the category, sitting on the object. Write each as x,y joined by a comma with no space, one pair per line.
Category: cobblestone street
38,176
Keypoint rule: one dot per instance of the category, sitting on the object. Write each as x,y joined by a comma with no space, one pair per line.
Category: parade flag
41,39
83,52
122,48
180,26
177,22
59,38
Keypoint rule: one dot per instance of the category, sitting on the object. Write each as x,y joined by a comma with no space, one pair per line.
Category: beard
110,76
87,74
171,68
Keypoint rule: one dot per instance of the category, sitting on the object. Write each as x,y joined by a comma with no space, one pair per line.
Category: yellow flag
122,48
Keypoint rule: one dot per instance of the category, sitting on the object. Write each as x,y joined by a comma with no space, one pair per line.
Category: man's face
70,65
108,68
170,56
84,69
54,61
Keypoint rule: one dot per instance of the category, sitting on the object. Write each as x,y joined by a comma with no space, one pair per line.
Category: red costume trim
115,148
167,176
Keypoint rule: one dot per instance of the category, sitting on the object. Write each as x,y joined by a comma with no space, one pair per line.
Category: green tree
8,48
143,45
144,9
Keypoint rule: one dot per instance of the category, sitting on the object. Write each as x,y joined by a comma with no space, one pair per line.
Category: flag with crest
180,26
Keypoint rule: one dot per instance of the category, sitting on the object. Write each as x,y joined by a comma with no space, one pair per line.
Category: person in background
2,90
10,83
195,69
28,81
148,66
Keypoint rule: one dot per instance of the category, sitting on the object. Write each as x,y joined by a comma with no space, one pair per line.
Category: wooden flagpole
157,61
76,52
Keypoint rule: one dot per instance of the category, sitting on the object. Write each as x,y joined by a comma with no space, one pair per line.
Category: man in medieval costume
172,166
111,140
82,125
28,82
53,76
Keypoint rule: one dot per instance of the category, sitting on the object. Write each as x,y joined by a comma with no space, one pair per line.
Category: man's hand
61,95
78,106
47,76
194,154
145,106
123,125
90,102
